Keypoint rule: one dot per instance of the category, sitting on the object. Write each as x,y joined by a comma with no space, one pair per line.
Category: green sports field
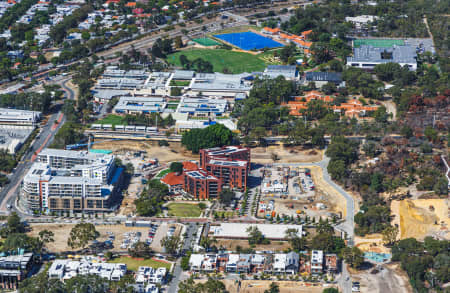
206,42
235,62
383,43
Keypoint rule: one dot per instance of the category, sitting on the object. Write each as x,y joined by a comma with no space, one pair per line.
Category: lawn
112,119
235,62
184,210
206,42
162,173
180,82
134,264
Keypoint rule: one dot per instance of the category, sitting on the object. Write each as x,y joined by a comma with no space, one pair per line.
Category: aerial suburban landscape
239,146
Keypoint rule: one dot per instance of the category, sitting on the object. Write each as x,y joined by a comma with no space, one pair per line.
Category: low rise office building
19,117
367,56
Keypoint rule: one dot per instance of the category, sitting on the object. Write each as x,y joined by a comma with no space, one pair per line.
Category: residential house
331,262
286,263
258,262
231,266
316,262
243,265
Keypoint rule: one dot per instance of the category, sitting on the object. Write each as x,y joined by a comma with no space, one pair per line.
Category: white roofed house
231,266
195,262
286,263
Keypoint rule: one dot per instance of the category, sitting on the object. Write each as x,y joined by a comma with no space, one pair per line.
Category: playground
248,41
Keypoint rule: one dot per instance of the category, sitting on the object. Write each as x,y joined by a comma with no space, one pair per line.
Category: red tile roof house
175,181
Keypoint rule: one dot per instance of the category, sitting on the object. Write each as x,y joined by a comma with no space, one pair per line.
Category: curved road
45,138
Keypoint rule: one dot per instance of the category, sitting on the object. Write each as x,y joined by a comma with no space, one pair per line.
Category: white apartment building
75,181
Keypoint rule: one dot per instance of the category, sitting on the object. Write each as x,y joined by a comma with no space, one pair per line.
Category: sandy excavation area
371,243
174,152
263,155
259,286
422,217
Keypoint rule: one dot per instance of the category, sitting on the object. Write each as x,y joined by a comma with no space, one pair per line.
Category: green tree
85,35
353,256
211,136
255,236
330,290
81,234
141,249
176,167
226,196
207,242
296,241
46,236
150,201
171,244
273,288
390,234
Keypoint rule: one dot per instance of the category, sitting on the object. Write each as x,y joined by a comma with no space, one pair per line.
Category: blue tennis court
249,41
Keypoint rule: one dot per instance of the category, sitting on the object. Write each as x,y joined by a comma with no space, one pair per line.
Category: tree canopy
212,136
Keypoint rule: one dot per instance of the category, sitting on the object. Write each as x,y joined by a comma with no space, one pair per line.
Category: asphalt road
44,139
177,271
347,226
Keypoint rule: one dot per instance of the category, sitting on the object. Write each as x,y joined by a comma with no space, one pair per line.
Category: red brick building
225,167
201,184
227,152
233,173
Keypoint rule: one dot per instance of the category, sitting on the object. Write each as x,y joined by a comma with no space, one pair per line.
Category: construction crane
88,144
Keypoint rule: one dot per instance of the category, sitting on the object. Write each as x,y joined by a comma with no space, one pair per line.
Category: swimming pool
249,41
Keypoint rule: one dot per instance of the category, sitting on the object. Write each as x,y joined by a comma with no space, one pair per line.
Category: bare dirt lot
371,243
263,155
258,286
62,232
389,279
229,244
174,152
422,217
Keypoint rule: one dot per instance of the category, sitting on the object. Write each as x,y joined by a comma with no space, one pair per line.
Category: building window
90,204
99,204
53,203
76,204
66,203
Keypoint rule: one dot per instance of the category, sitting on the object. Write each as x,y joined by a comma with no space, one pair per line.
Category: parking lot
163,230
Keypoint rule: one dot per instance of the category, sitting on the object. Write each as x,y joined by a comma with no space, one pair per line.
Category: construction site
419,218
297,191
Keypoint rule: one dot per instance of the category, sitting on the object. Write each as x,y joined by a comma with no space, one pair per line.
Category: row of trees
27,101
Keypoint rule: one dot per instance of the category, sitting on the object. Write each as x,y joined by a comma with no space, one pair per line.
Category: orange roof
112,1
214,3
189,166
130,4
272,30
306,33
172,179
144,15
306,51
303,43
